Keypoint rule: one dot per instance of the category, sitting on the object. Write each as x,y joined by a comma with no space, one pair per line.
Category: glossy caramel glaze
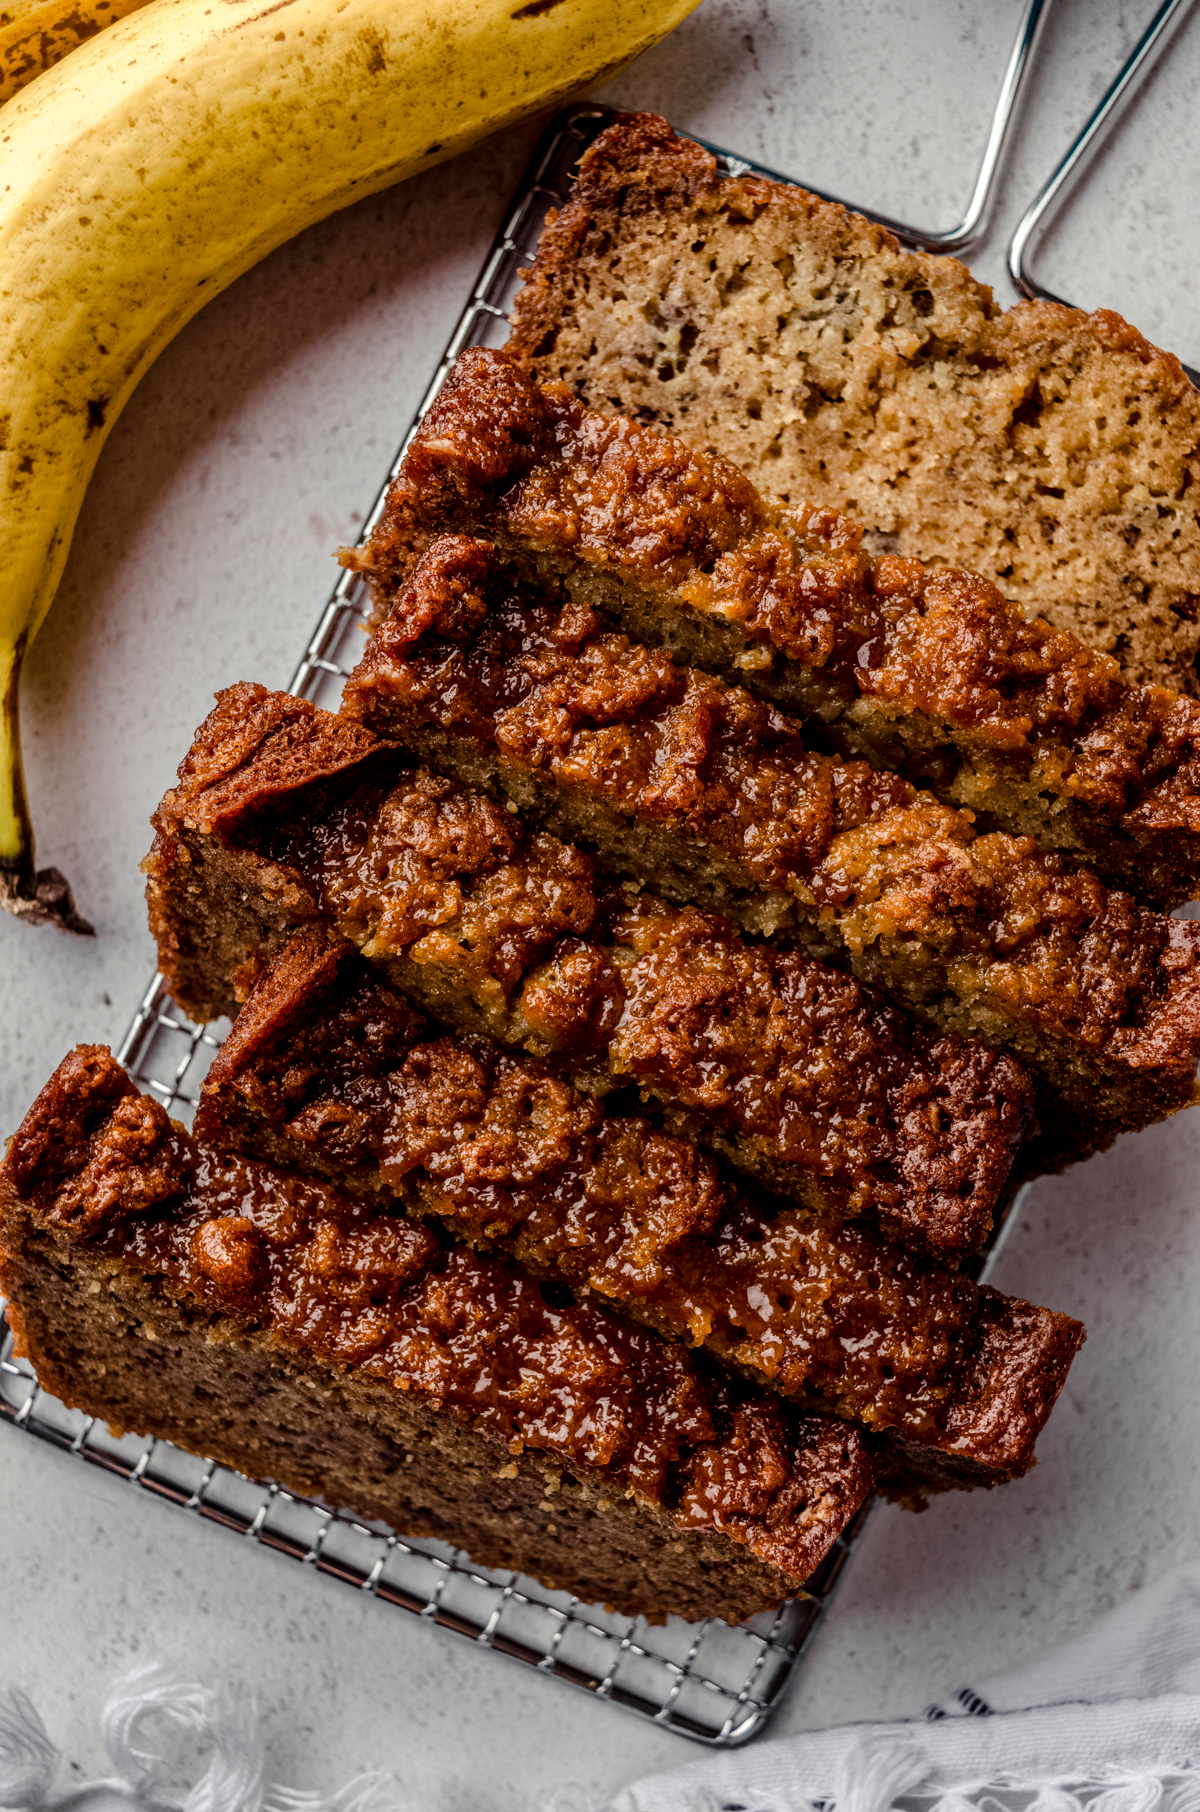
327,1070
330,1276
809,1079
546,685
803,1066
1040,956
531,468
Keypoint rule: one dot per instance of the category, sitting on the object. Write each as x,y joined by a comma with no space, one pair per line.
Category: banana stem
39,897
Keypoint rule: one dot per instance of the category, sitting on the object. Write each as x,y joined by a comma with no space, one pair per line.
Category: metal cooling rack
1075,160
970,228
715,1684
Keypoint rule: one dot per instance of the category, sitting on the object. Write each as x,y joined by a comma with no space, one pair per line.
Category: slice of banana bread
330,1072
1058,453
711,796
797,1072
930,672
277,1325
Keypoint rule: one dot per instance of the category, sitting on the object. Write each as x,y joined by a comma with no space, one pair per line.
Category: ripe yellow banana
34,34
152,166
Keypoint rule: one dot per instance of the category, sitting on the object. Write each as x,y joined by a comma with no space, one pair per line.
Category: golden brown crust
806,1078
254,750
637,169
352,1441
279,735
1022,1363
54,1140
1054,451
477,673
375,1295
328,1071
548,686
930,670
790,1063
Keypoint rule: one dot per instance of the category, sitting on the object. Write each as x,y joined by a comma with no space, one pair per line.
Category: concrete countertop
203,555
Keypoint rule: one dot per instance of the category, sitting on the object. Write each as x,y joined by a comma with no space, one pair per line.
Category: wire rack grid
715,1684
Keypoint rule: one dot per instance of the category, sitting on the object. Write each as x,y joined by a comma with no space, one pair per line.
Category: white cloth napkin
235,1779
1108,1723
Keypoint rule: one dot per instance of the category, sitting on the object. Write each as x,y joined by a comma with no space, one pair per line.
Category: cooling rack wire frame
715,1684
1083,148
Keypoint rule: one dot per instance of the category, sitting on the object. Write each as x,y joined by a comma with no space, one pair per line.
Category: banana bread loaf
285,814
930,672
328,1071
1056,452
277,1325
712,797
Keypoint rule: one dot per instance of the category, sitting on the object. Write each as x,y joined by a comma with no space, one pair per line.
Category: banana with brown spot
152,166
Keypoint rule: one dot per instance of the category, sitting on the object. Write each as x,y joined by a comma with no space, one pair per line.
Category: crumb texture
291,1276
325,1072
1053,451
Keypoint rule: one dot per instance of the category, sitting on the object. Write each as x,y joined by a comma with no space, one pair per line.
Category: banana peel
150,168
36,34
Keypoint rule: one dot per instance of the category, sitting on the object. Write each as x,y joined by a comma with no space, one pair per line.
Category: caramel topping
318,1271
447,877
802,1060
500,929
793,1057
1054,950
92,1152
377,1292
54,1139
246,752
542,686
503,1152
686,525
229,1254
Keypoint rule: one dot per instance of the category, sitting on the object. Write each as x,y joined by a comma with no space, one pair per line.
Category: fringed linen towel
1108,1723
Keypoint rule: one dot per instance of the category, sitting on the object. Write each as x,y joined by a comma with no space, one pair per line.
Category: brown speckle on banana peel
164,157
36,34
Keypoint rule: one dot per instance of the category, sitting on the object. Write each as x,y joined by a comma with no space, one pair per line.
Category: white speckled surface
203,554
